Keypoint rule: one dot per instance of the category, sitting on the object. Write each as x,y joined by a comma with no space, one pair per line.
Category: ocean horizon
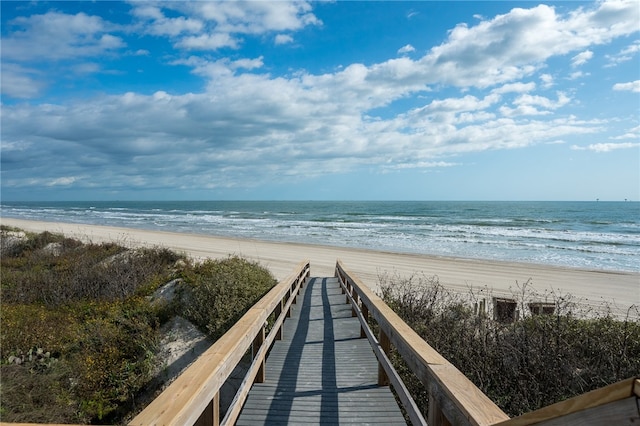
600,235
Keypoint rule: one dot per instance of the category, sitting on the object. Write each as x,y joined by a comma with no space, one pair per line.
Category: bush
523,365
221,291
82,306
70,273
79,332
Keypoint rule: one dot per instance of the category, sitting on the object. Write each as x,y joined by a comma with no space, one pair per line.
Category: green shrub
79,333
219,292
84,306
104,272
524,365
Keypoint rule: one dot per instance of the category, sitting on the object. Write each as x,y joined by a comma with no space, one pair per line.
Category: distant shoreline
620,289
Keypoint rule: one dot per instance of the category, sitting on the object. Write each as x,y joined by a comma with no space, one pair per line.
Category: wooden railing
453,398
193,398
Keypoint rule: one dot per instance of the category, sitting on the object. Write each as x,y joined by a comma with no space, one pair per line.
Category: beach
591,288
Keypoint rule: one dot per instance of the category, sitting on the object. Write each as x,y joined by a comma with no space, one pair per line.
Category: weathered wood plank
622,390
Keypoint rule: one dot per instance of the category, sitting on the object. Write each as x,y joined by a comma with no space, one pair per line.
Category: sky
275,100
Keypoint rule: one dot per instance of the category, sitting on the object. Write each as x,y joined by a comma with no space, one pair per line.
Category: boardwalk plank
321,372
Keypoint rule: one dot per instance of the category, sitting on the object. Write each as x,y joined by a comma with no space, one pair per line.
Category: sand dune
620,290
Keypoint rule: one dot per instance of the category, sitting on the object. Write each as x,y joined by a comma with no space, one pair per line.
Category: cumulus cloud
632,86
606,147
208,42
527,104
283,39
217,25
515,88
514,45
547,80
58,36
581,58
20,82
407,48
308,123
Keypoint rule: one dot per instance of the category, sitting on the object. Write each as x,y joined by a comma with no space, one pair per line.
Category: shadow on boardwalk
321,372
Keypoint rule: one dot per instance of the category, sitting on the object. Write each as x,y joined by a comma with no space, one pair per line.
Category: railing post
277,313
255,347
385,345
365,314
436,416
211,415
356,299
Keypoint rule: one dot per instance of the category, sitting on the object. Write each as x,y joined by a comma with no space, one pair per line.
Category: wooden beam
599,397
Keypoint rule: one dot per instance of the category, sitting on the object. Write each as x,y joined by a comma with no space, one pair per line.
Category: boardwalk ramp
321,372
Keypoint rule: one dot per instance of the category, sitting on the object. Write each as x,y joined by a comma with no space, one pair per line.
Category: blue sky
333,100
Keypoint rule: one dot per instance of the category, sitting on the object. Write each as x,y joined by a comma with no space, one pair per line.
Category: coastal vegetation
524,362
80,323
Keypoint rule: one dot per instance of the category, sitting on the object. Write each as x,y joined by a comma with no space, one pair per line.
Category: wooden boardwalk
321,372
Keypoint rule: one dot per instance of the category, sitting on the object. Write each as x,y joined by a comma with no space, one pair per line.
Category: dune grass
79,332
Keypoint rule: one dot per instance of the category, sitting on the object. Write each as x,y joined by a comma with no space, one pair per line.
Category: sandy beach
592,288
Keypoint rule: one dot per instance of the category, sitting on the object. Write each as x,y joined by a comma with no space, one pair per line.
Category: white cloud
581,58
632,86
176,26
422,165
216,25
248,64
576,75
606,147
515,88
283,39
147,11
624,55
58,36
208,42
514,45
527,104
304,122
407,48
547,80
285,126
62,181
19,82
631,134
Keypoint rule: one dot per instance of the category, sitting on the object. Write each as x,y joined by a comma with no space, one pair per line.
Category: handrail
453,398
618,403
388,373
193,398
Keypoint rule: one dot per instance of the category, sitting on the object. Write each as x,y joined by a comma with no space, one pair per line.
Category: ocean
591,235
